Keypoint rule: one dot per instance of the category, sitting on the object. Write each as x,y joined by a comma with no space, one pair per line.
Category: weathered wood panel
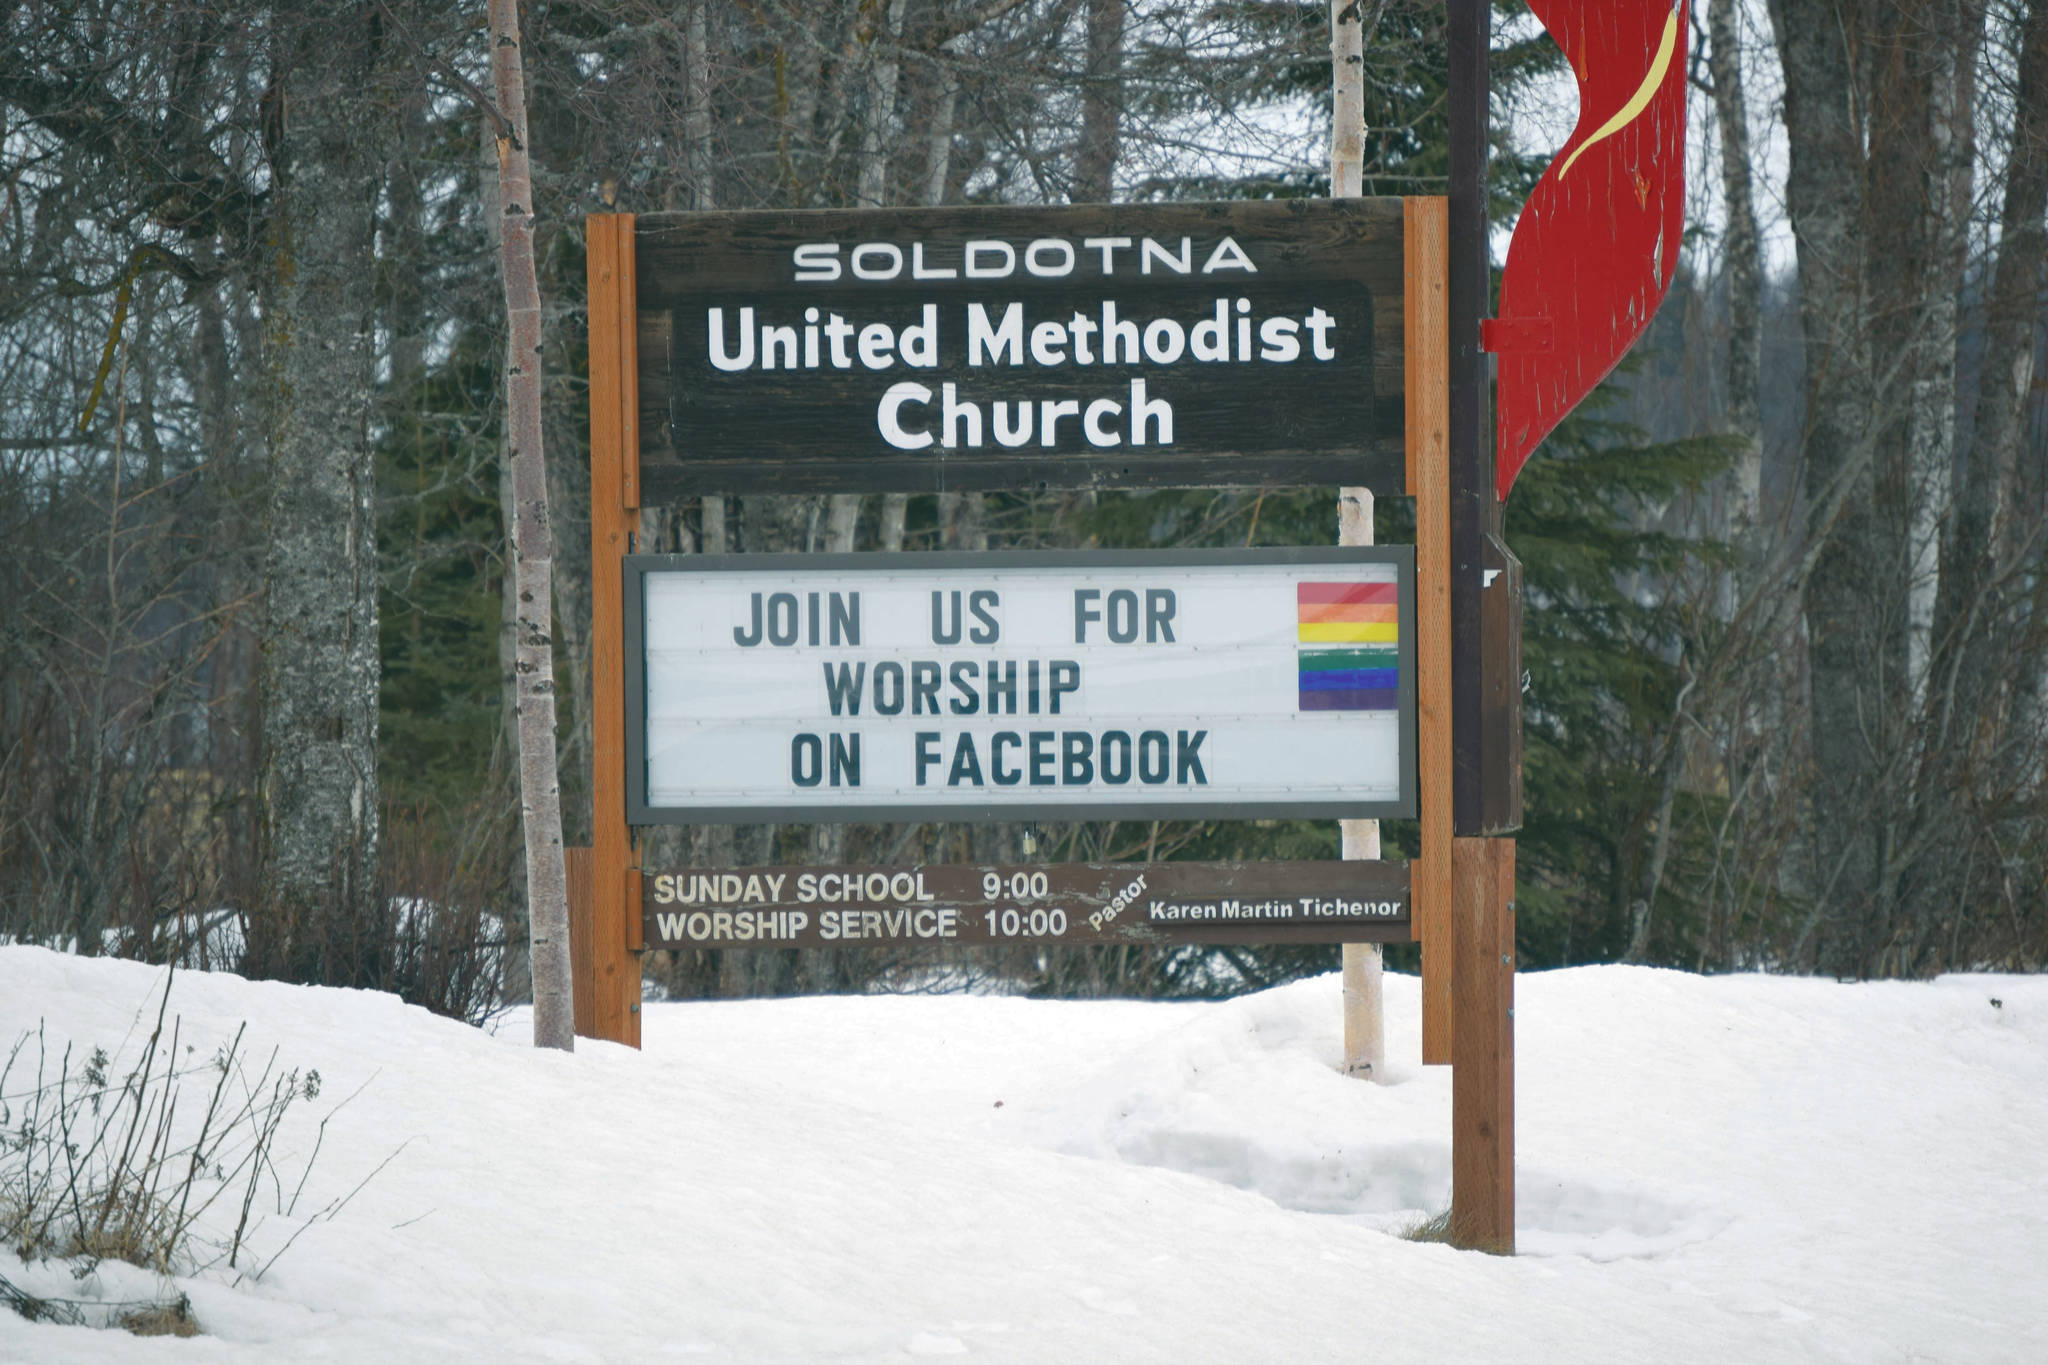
582,949
1324,273
1483,1047
985,905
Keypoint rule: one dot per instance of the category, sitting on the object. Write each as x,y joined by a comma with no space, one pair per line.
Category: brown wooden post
582,950
614,518
1483,1044
1427,352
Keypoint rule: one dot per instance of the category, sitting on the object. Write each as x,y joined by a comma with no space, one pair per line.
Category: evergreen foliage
1605,645
441,544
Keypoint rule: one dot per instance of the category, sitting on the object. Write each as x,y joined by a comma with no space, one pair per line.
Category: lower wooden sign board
987,904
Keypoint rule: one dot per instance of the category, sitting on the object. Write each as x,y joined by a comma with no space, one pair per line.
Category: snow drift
1710,1169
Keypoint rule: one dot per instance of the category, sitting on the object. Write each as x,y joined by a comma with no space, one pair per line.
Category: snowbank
1711,1169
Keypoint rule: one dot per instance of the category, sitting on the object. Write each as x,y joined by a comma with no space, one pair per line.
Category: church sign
970,905
975,348
1069,686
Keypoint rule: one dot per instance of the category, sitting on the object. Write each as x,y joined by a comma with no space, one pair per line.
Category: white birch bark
842,523
879,116
1742,262
712,845
938,164
1990,529
1365,1012
540,795
939,159
1102,99
1365,1028
697,107
895,512
1930,429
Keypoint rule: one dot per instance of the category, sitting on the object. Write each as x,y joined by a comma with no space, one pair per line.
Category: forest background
1787,625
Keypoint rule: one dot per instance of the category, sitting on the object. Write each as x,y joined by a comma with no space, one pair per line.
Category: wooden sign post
1135,346
611,972
1485,672
1145,346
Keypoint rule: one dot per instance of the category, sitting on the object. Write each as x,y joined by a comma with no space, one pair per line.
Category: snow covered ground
1723,1169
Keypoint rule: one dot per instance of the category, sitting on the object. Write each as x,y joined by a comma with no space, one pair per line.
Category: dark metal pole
1486,736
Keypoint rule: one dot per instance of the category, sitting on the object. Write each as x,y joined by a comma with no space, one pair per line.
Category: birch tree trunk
1365,1027
712,845
938,165
547,896
1985,537
876,125
1820,49
1365,1010
319,793
697,107
1953,34
1102,97
878,119
1922,60
2015,296
1744,274
939,157
507,746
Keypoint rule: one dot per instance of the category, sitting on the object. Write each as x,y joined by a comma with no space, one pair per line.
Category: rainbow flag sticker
1349,646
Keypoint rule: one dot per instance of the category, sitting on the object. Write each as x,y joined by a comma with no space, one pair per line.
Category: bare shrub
452,887
164,1166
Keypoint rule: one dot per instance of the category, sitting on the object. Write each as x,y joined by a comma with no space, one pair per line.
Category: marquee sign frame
1228,570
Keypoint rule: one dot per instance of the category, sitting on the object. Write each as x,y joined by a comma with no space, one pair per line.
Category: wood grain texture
614,515
1429,481
628,956
814,430
1109,903
616,972
582,946
625,939
628,331
1483,1047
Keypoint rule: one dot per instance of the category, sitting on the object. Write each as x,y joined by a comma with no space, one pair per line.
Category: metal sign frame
853,806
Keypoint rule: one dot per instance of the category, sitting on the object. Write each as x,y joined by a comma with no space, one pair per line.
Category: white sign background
1212,714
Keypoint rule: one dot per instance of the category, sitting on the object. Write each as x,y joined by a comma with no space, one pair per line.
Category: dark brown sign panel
983,348
831,907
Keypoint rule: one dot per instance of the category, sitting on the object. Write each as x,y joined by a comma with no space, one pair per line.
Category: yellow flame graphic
1628,113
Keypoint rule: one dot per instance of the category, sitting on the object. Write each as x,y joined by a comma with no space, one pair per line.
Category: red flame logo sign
1595,247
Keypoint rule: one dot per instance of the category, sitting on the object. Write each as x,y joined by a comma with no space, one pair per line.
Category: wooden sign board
931,350
1391,413
1060,685
959,904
